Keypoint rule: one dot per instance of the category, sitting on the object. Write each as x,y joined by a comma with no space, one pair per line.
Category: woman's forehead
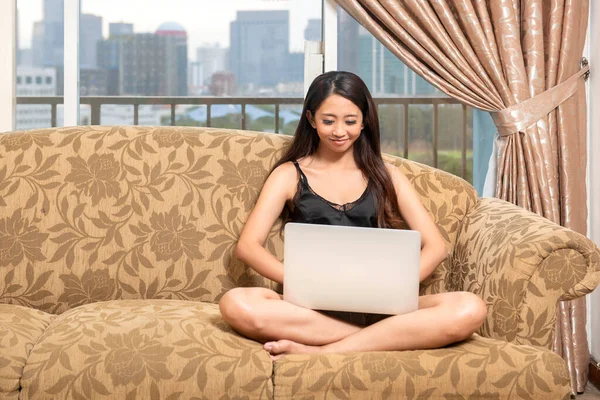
337,105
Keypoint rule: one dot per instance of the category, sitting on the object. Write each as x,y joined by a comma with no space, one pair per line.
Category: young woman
333,173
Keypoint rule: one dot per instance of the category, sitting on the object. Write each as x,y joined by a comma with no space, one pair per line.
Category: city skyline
188,13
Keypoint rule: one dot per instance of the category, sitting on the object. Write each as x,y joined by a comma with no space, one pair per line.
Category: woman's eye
350,122
327,121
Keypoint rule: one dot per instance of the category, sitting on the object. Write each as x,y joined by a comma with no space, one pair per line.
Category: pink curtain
520,60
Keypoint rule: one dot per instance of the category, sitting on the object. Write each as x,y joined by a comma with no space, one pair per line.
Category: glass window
40,48
417,120
234,48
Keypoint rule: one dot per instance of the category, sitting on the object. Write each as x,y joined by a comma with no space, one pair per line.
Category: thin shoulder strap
302,176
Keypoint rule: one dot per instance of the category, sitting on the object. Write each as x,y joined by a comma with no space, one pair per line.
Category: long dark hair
367,150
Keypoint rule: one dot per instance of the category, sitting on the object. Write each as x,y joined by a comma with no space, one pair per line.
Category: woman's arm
433,248
279,187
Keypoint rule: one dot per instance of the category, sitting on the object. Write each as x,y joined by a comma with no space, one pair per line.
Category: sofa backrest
98,213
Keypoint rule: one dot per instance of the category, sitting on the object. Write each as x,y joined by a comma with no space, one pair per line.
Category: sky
206,21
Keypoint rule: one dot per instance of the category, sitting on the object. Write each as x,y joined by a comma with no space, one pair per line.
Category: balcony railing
96,103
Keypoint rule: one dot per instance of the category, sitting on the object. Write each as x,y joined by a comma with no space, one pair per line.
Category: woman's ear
311,119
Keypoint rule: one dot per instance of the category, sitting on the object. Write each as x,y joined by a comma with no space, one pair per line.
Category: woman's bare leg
441,319
261,314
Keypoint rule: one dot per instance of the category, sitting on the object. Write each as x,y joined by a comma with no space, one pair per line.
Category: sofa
116,244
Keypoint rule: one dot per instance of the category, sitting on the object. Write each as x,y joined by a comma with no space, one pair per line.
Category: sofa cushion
20,329
146,349
94,213
476,368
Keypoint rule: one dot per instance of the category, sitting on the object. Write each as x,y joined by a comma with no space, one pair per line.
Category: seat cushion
146,349
20,329
476,368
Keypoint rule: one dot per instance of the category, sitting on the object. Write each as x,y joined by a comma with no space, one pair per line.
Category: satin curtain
493,55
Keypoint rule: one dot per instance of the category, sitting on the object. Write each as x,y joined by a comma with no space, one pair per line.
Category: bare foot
282,347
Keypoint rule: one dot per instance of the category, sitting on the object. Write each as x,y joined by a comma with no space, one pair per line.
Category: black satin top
310,208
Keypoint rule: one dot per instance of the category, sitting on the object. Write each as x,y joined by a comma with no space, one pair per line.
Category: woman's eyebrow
333,115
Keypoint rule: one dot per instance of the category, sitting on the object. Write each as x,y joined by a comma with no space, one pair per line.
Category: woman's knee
469,312
239,309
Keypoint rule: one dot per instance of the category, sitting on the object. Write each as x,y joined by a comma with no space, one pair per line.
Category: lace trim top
309,207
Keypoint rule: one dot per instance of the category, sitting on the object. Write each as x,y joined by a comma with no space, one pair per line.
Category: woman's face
338,122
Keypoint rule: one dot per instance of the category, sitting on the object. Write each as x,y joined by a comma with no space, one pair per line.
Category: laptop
341,268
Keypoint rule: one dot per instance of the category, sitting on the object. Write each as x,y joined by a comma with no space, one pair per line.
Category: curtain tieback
520,116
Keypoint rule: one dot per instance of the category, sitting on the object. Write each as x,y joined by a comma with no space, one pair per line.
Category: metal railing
96,103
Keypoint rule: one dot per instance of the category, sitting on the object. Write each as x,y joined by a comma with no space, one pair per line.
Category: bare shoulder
397,176
283,179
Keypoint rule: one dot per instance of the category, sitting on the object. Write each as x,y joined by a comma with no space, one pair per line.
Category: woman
333,173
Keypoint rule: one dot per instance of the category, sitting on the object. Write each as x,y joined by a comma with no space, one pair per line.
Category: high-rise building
347,39
54,11
32,81
149,64
48,36
222,84
119,29
210,59
360,52
313,30
90,34
259,50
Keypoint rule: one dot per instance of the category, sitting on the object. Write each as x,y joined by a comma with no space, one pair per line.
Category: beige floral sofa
116,244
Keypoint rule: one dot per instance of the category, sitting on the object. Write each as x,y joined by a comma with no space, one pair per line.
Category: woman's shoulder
285,170
398,177
283,179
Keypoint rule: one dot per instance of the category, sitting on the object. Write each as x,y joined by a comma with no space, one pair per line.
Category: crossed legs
261,314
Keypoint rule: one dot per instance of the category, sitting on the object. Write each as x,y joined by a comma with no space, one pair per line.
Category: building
94,82
209,60
294,68
313,30
176,58
48,35
222,84
360,52
149,64
258,54
34,81
145,64
347,34
120,29
90,35
108,58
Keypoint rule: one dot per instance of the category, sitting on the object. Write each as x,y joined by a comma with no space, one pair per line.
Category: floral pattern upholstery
127,234
478,368
20,329
146,349
521,264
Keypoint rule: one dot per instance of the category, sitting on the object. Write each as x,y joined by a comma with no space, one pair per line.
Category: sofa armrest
521,264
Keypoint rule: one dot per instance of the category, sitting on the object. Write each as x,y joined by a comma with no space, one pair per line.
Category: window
236,48
40,54
417,120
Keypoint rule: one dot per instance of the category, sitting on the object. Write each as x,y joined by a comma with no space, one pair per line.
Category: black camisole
310,208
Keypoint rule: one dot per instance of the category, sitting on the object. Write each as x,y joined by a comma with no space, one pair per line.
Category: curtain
521,61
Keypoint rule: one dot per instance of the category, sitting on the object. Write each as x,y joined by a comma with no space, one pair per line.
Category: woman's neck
340,160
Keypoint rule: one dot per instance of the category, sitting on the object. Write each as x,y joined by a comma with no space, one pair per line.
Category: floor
591,392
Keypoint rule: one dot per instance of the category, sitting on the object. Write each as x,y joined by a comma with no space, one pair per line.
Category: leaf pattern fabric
116,243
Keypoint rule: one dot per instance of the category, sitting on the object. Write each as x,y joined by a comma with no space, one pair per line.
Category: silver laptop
341,268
